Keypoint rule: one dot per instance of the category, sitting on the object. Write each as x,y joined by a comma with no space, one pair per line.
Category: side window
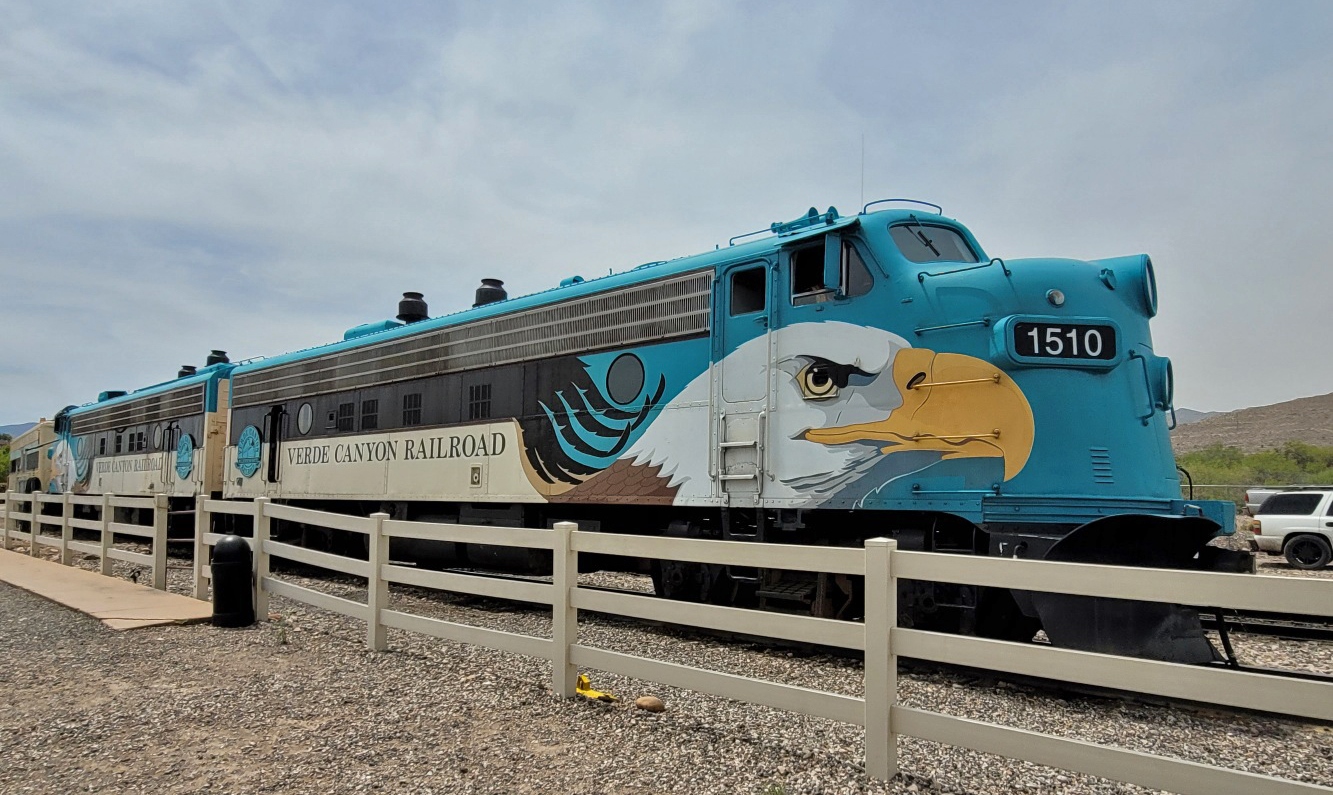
827,268
346,416
1330,508
855,274
412,408
479,402
1303,504
807,275
748,291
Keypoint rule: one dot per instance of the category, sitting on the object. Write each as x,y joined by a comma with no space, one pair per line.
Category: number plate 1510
1064,341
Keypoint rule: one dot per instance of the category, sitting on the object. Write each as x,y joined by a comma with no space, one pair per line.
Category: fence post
161,506
34,528
200,548
4,522
377,589
66,529
881,665
108,513
564,616
261,558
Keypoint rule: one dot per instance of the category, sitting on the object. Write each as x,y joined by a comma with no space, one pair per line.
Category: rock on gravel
650,704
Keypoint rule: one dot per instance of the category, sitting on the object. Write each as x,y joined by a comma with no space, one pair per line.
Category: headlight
1149,278
1163,383
1134,276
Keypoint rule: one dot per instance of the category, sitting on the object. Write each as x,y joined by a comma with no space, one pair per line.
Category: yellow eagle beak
959,405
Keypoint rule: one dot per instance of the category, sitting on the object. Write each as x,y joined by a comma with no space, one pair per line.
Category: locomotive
29,462
163,439
821,381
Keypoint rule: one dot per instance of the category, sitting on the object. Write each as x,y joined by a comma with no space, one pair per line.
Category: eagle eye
817,382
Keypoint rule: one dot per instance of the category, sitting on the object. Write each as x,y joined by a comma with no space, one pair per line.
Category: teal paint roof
206,375
569,290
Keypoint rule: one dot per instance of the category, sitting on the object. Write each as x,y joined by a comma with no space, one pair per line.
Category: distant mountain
15,430
1308,420
1186,416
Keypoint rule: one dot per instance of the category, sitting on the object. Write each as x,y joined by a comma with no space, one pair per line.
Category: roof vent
217,357
186,370
412,309
490,291
110,394
366,329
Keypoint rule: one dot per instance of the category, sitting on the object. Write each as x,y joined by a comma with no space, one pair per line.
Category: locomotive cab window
827,269
748,291
928,243
807,275
855,274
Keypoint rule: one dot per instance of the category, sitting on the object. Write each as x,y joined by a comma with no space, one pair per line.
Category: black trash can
233,594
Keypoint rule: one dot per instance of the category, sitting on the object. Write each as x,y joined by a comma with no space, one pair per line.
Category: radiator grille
660,310
162,406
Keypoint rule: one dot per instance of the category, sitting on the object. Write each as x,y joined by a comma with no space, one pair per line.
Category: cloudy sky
259,176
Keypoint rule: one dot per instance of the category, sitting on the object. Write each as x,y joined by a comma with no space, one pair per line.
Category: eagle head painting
851,410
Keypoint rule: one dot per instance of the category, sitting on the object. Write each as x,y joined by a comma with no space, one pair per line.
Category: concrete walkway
117,603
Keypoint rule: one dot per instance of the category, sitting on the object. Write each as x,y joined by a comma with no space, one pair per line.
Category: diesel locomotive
822,381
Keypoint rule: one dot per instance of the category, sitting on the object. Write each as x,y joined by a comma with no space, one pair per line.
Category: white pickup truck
1298,525
1255,497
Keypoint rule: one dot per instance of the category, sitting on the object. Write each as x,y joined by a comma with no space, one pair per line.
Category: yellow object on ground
583,686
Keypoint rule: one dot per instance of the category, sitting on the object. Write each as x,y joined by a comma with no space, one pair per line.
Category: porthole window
157,437
305,417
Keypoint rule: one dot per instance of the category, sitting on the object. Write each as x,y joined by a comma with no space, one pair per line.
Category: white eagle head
843,400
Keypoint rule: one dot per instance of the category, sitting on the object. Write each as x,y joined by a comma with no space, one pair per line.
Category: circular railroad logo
184,456
247,451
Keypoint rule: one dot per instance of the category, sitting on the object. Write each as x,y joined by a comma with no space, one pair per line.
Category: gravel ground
298,705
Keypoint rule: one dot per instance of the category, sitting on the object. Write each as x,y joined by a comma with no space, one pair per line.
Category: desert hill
1308,420
1186,416
15,430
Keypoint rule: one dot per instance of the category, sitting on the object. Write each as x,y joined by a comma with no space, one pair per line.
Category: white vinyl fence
25,510
882,565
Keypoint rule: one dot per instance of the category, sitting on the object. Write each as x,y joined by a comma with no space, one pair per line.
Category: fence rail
883,565
33,519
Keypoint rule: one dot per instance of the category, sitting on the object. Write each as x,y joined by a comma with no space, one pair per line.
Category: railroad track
1282,625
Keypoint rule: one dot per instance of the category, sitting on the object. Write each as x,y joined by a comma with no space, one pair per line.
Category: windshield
926,243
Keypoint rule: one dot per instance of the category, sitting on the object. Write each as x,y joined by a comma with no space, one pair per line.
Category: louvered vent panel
651,312
164,406
1101,465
